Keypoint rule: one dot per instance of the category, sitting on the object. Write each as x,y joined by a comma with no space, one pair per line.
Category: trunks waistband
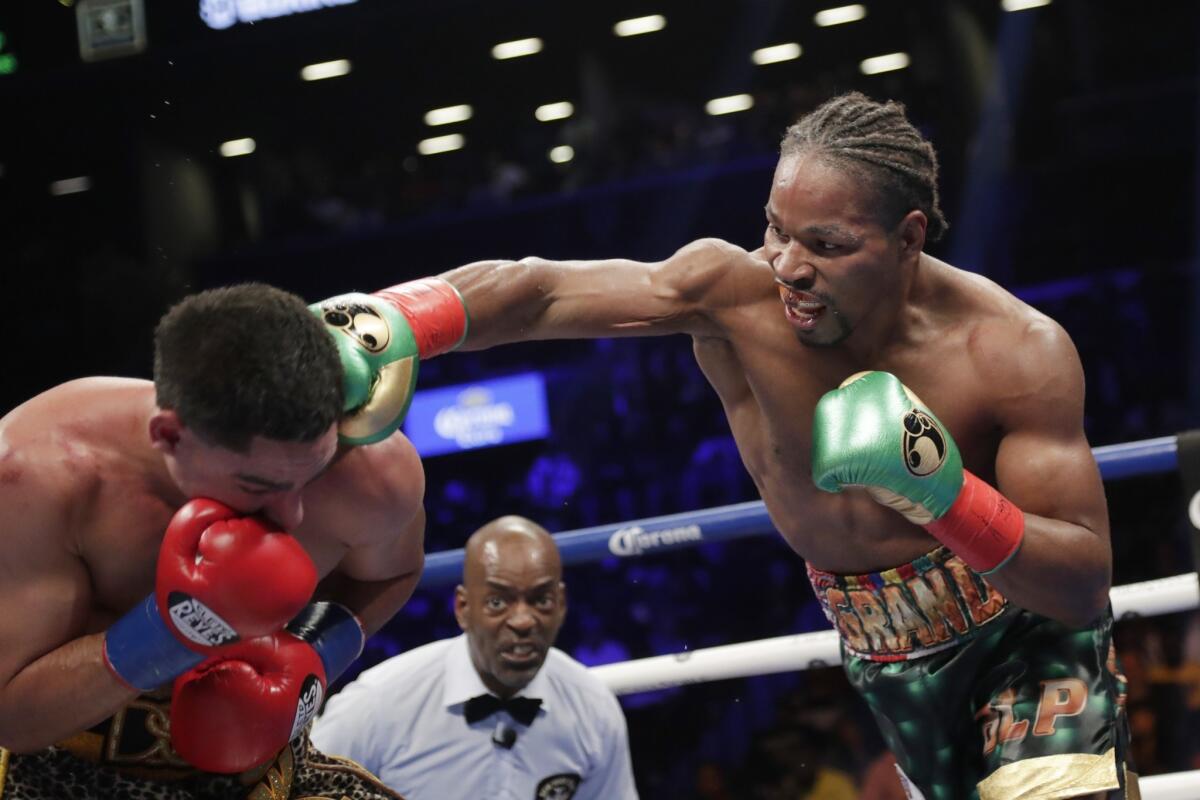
933,603
136,741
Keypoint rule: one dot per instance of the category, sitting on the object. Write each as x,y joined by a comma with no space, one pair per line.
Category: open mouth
802,309
520,655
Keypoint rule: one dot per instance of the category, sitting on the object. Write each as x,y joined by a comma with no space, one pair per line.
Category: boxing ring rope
737,521
820,649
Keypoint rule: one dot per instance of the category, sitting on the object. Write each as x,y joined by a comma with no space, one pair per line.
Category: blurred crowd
303,191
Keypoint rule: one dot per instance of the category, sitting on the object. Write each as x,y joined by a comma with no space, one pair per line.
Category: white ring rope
1175,786
813,650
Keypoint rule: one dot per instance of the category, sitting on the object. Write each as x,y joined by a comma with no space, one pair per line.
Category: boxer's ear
911,233
165,429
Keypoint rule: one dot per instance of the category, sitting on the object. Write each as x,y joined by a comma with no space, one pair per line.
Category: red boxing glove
238,711
223,576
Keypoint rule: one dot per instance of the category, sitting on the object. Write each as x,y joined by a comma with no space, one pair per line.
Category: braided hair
877,143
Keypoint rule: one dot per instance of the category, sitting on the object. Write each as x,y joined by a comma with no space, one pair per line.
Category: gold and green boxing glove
382,338
873,433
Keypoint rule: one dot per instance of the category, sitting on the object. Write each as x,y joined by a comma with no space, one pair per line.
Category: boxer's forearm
504,299
535,299
1062,571
66,691
373,602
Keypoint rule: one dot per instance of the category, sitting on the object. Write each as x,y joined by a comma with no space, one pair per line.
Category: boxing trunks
979,699
129,756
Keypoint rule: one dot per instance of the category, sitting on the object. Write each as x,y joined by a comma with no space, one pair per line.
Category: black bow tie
522,709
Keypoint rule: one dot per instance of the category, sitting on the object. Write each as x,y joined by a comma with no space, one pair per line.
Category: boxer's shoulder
699,265
1020,349
719,281
380,486
47,478
382,473
1019,358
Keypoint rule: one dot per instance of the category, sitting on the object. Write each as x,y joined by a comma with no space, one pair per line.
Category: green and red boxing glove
381,338
872,432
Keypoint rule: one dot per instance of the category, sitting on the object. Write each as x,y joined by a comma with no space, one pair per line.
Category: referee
497,712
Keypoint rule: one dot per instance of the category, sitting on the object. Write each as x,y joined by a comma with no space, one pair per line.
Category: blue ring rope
725,523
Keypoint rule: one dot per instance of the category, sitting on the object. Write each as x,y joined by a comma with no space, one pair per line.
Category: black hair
244,361
878,143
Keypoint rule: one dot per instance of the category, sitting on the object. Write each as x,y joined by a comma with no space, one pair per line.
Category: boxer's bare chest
769,384
120,534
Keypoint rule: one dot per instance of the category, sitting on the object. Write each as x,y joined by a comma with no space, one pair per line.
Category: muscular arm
535,299
53,680
1045,466
374,503
376,600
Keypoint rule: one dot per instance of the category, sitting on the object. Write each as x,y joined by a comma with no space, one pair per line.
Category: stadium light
776,53
238,147
839,16
70,186
325,69
448,115
640,25
885,63
552,111
517,48
729,105
441,144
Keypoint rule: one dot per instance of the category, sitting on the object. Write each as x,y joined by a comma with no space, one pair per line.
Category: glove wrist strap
982,526
435,311
334,632
142,652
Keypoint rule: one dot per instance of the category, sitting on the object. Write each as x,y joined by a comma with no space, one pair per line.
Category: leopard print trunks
128,757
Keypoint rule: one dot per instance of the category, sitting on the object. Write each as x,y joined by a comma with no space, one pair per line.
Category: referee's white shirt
403,720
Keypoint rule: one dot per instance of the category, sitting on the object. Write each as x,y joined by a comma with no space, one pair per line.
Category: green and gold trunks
129,757
979,699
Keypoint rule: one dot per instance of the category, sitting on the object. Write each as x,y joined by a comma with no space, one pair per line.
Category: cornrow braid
878,143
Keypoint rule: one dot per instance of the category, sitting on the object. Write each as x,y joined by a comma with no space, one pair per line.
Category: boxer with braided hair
916,433
878,145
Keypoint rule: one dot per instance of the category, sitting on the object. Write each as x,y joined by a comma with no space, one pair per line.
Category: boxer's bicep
45,588
374,502
375,581
1044,463
399,554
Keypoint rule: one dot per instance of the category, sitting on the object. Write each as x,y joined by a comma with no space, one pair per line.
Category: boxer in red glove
949,507
221,578
114,584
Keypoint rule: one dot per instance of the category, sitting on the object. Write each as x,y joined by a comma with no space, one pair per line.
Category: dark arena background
150,148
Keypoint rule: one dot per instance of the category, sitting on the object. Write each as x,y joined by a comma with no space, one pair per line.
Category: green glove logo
379,360
360,322
924,444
